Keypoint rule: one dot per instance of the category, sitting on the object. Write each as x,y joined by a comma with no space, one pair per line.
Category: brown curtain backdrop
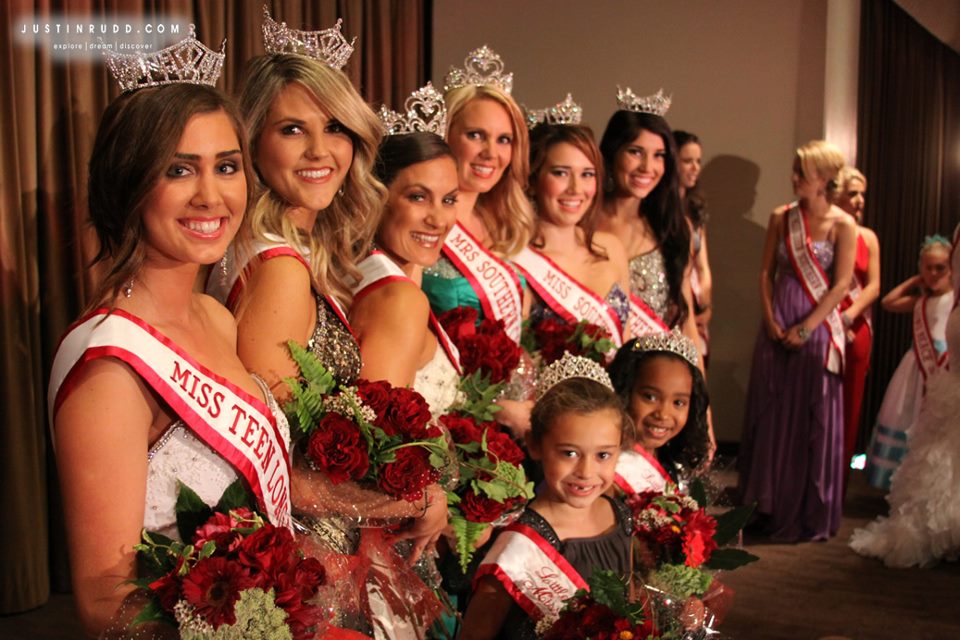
909,149
49,111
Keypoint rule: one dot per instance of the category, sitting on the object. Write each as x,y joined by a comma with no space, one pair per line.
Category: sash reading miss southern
235,424
377,270
565,296
531,570
492,279
814,282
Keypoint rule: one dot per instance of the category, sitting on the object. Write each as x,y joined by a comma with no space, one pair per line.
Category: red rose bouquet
372,432
492,480
552,336
488,357
232,575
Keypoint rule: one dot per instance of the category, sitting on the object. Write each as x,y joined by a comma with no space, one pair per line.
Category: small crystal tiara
187,61
657,104
566,112
424,111
328,45
674,342
481,67
571,366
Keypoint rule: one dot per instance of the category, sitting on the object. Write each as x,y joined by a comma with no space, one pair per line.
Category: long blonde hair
505,209
342,234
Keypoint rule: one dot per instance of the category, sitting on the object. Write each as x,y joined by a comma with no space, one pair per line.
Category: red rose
698,542
459,323
220,529
406,414
213,587
462,429
500,446
492,352
553,336
375,395
407,476
337,448
268,550
478,508
301,618
167,588
309,575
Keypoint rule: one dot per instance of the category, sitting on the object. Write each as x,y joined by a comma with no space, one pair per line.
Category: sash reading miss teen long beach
531,570
814,282
494,282
377,270
238,426
565,296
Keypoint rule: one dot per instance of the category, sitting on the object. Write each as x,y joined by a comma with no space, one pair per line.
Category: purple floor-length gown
791,461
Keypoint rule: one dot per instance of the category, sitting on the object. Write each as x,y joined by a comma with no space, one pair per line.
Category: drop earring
128,289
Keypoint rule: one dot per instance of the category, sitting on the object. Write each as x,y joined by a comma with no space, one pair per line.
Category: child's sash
531,570
644,320
377,270
814,282
927,359
638,471
492,279
565,296
227,287
235,424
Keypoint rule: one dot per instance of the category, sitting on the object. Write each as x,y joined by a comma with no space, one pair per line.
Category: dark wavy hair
690,447
662,207
542,139
398,152
577,395
694,204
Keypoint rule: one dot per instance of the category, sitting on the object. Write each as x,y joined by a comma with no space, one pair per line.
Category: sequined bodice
648,281
334,345
822,250
179,456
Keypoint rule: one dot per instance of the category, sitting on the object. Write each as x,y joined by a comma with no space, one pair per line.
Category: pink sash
238,426
644,320
492,279
927,360
638,471
378,270
531,570
565,296
228,288
814,282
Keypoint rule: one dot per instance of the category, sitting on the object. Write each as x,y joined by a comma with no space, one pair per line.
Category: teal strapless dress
447,288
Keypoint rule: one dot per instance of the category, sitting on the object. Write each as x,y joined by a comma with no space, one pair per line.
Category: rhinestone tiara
571,366
657,104
481,67
566,112
188,61
424,111
328,45
674,342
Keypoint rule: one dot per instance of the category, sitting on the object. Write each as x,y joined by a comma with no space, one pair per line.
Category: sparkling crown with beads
657,104
187,61
328,45
566,112
481,67
674,342
424,111
571,366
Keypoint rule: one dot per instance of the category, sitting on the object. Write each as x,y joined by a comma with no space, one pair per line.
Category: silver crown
425,111
481,67
566,112
328,45
571,366
674,342
187,61
657,104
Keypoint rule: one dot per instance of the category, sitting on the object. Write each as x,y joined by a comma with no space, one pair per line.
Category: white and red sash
814,282
565,296
228,287
644,320
638,471
927,359
531,570
377,270
493,280
235,424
